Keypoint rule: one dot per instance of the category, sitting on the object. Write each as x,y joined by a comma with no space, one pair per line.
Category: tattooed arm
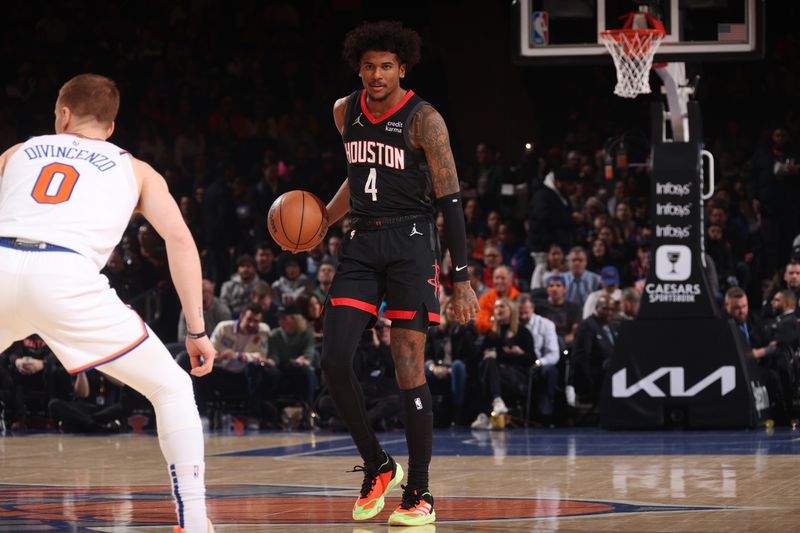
429,132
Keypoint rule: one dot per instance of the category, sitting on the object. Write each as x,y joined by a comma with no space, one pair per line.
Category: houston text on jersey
375,153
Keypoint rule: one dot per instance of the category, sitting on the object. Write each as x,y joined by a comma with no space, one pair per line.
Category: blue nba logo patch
540,28
418,404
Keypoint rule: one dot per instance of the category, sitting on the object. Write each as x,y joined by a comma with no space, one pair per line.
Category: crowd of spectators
559,239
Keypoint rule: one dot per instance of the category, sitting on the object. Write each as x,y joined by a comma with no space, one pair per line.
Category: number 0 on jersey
55,183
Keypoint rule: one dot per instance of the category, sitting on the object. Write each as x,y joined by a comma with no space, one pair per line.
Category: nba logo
540,32
418,404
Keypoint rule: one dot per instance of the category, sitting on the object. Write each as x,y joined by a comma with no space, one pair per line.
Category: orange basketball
297,221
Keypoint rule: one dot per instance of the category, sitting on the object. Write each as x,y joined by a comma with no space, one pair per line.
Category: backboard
567,31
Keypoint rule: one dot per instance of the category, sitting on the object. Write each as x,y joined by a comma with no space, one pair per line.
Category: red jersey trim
400,315
386,115
358,304
409,315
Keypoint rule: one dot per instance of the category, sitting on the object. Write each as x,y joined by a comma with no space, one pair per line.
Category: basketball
297,221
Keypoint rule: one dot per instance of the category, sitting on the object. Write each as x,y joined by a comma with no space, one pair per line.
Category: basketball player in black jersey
400,167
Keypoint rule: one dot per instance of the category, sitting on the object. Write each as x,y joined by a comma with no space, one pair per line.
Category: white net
632,51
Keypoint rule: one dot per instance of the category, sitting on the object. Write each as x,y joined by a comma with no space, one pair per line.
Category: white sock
187,477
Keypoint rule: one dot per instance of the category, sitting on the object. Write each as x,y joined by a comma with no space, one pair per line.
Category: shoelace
411,497
370,477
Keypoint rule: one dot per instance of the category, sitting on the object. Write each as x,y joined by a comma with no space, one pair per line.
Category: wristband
455,234
195,335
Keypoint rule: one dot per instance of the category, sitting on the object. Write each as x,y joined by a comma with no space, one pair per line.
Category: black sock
418,406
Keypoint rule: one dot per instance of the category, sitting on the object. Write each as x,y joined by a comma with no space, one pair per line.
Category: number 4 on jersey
371,186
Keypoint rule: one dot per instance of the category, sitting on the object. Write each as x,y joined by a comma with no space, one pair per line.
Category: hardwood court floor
519,480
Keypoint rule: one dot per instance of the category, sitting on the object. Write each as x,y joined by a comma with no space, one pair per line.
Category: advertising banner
679,363
676,286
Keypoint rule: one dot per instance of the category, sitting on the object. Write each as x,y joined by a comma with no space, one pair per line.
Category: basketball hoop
633,51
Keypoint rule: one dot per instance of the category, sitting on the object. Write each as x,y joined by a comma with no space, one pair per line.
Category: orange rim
616,35
625,36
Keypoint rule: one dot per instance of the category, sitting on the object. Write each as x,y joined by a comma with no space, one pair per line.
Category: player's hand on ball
464,302
197,348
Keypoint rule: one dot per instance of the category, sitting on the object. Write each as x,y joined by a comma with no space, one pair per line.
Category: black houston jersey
387,176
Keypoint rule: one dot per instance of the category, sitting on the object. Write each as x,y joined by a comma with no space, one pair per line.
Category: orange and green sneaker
415,510
376,485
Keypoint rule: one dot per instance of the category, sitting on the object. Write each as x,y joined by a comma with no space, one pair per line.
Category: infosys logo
676,189
675,210
673,232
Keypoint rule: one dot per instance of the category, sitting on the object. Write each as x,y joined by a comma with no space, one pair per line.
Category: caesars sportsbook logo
673,263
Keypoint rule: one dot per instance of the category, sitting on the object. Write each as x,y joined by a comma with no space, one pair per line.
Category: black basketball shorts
396,260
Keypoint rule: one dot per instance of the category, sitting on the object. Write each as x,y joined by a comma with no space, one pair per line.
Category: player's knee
409,368
171,385
174,403
183,384
343,328
410,372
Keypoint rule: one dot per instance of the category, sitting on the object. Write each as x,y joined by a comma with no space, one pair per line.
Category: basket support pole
677,91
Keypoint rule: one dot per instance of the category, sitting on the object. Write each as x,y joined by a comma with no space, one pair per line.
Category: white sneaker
482,422
499,406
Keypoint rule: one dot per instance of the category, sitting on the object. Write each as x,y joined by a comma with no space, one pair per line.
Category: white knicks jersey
69,191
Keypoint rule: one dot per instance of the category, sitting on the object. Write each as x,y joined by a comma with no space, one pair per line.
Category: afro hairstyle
382,36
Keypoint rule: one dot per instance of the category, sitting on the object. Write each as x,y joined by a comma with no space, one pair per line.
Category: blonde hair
91,95
513,325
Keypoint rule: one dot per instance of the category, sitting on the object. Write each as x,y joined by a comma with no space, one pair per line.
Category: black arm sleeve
455,234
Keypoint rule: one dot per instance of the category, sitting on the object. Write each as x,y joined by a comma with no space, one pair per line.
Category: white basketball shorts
61,297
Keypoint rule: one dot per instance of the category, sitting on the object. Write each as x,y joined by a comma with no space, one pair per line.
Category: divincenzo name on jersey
100,161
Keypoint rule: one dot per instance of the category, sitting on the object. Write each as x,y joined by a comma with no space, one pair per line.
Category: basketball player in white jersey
65,200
